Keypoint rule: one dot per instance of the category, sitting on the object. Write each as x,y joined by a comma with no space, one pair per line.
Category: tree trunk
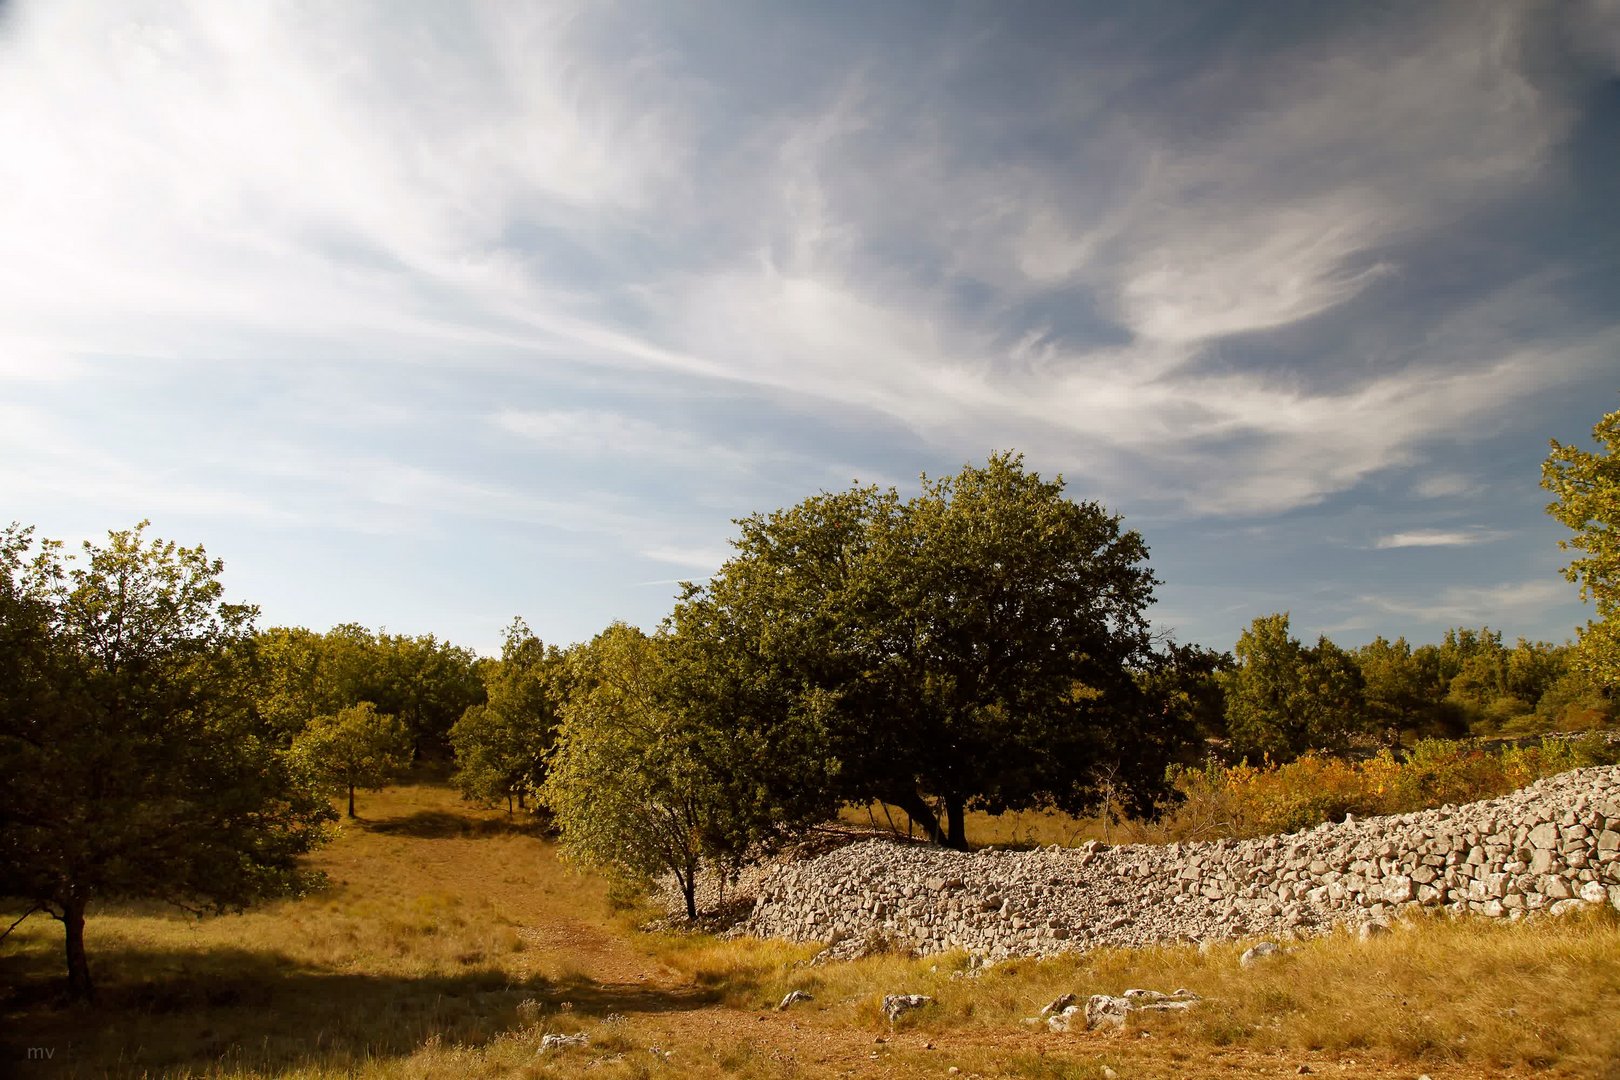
520,794
79,985
916,807
957,837
689,891
351,801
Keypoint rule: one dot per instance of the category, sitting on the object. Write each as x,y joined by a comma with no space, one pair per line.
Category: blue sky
425,316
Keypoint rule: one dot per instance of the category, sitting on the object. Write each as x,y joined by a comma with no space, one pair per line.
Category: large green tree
131,763
428,684
973,645
1586,489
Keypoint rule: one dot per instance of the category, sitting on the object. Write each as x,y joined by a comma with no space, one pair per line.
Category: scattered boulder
897,1005
1064,1019
1104,1011
1058,1004
793,997
1257,953
563,1042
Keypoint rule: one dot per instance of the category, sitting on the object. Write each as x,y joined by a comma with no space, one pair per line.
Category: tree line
982,644
1278,698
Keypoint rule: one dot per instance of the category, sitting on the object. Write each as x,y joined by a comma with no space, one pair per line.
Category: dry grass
1435,992
449,943
1015,829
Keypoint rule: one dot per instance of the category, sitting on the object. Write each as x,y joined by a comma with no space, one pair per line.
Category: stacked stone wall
1553,846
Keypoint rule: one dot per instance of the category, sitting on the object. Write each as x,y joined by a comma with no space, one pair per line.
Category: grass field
449,942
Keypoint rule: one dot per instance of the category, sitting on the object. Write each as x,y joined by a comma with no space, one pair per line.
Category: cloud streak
671,266
1434,538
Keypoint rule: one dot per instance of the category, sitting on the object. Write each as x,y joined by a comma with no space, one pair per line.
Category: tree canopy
1283,698
1586,489
642,782
131,760
501,745
425,682
974,644
356,747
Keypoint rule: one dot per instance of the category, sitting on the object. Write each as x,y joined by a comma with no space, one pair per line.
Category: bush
1248,800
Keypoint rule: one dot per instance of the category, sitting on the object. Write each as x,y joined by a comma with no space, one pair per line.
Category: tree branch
19,922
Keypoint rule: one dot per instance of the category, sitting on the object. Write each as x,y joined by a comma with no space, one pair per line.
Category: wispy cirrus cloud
1506,604
1231,263
605,433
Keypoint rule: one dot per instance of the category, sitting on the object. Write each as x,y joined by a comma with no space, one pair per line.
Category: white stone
1258,952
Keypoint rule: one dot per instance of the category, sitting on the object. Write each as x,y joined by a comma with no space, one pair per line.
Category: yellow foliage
1256,800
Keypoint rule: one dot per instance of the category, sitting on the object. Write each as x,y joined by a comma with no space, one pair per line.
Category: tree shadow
447,825
160,1012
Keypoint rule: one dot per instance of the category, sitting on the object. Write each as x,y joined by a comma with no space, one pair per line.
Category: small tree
640,785
1586,486
131,764
501,746
1283,699
357,747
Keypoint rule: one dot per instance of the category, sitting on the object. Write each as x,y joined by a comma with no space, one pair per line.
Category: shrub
1256,800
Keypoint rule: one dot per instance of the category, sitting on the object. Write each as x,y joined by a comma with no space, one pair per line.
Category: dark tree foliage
1283,699
1182,688
976,644
131,764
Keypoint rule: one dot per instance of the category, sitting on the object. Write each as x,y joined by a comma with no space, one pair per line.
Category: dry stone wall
1552,846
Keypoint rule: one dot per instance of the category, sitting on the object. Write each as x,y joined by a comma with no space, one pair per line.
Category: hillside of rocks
1552,846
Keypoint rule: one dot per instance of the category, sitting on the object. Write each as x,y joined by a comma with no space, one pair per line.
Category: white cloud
1444,486
45,460
705,560
246,183
1436,538
1513,603
603,433
334,178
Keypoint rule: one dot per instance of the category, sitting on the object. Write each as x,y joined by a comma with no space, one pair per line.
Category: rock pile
1554,845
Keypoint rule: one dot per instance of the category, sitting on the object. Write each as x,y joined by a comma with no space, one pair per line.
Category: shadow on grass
164,1012
447,825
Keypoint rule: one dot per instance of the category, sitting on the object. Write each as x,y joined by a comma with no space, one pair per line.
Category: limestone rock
1104,1012
1546,847
1058,1004
1065,1019
1257,953
897,1005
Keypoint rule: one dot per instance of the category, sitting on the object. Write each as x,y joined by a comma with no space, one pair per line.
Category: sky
427,315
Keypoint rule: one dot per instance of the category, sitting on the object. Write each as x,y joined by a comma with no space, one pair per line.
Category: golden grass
1014,829
1436,991
450,942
